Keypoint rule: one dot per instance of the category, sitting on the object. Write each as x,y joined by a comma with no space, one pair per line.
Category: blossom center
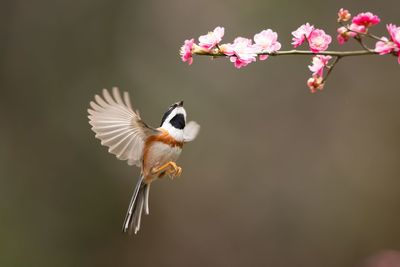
319,41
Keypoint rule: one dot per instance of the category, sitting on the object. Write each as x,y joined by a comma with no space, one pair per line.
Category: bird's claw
174,171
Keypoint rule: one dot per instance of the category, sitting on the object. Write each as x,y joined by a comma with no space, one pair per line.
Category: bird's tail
139,200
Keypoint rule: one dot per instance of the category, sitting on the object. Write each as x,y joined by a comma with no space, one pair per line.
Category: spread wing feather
119,127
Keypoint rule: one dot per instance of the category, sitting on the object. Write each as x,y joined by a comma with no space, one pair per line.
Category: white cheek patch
177,134
171,115
181,110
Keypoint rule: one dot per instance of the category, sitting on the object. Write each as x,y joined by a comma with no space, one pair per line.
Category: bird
154,150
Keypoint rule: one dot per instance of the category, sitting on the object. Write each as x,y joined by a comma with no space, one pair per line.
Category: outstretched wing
191,130
118,126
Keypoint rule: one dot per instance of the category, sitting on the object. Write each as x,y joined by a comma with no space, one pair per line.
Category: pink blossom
301,34
366,19
319,40
241,52
319,62
394,32
315,83
186,51
356,29
384,46
211,39
343,15
343,35
266,41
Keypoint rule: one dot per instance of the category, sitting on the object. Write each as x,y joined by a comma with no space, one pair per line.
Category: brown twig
331,68
341,54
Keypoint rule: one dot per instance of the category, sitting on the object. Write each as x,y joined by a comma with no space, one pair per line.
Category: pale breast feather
161,153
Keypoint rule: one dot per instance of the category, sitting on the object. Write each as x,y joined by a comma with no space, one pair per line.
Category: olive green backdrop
277,176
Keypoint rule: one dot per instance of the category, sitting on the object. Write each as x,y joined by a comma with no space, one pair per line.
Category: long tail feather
139,201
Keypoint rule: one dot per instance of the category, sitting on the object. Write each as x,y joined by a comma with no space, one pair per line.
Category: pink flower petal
343,15
384,46
343,35
319,62
366,19
211,39
356,29
315,83
242,52
186,51
319,40
301,34
394,32
267,41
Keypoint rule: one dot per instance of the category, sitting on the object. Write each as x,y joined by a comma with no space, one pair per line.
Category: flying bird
153,150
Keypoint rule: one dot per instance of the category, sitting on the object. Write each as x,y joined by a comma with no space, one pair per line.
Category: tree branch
331,68
217,53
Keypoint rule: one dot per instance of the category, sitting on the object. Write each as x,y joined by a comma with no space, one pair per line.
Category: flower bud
315,83
343,15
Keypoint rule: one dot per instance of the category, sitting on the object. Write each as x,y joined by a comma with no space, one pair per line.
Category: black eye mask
178,121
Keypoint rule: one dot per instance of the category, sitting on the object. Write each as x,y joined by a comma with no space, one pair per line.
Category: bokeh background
277,176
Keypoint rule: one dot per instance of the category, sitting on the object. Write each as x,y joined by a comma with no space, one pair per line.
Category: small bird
153,150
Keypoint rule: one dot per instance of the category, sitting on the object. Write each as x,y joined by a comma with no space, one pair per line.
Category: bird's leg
175,171
166,167
170,167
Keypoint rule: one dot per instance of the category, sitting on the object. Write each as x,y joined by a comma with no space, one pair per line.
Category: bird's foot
170,168
174,170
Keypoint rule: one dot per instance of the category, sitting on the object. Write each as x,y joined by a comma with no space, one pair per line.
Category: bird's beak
180,103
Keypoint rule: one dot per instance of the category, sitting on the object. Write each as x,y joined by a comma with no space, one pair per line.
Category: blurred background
277,176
